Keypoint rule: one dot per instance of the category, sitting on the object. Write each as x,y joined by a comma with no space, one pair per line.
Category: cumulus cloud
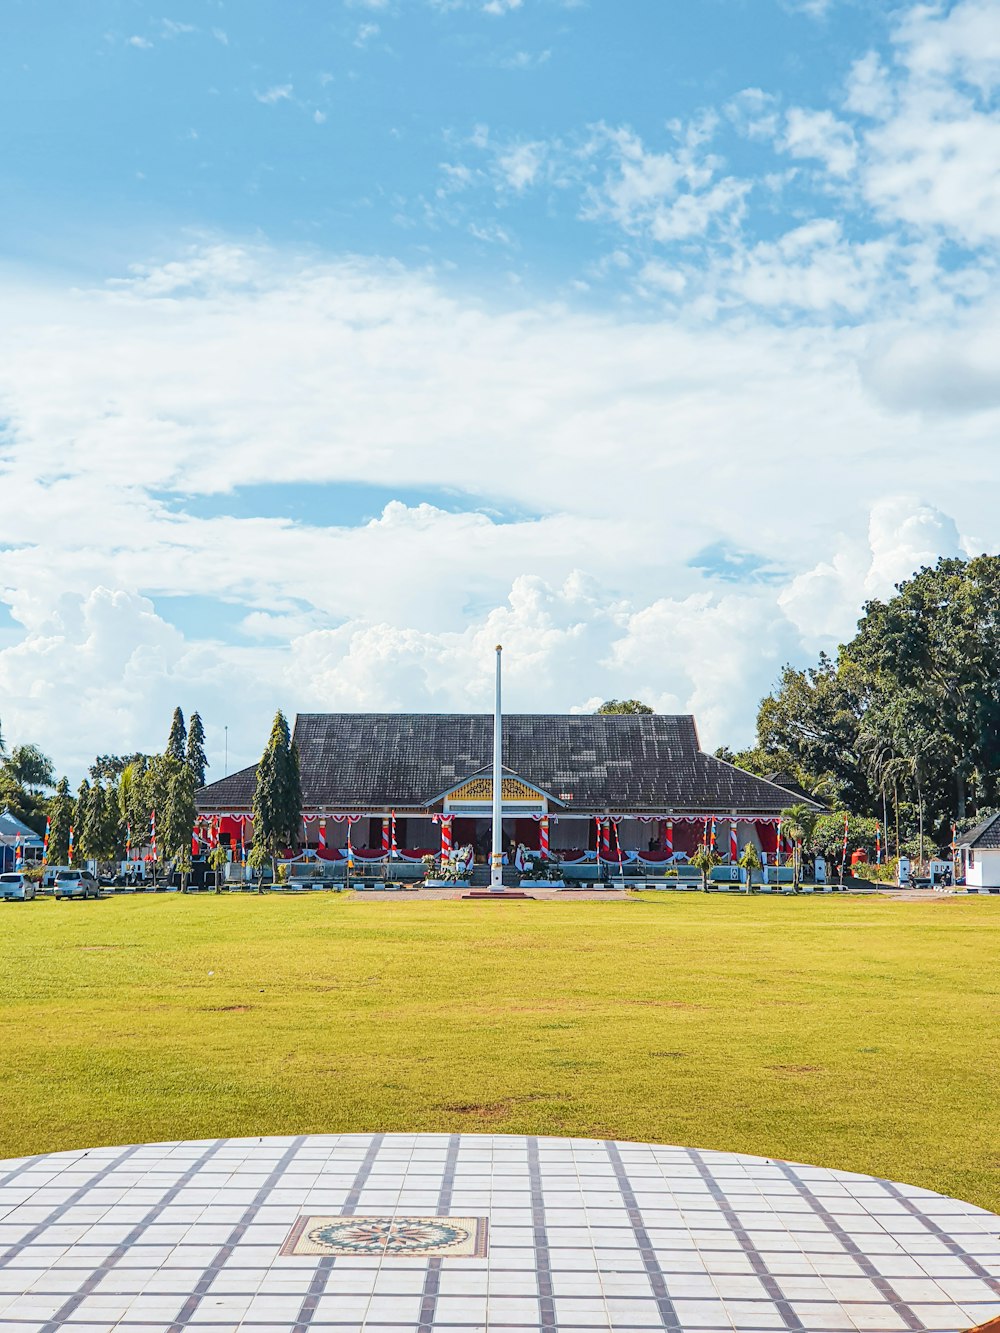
904,534
606,453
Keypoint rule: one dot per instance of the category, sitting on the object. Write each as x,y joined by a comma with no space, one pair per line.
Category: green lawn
858,1033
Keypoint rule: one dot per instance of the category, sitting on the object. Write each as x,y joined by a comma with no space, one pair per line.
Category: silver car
16,887
76,884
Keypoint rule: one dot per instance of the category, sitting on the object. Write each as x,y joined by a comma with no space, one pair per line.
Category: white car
16,887
76,884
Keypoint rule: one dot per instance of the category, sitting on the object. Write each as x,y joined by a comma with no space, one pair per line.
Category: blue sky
128,123
339,339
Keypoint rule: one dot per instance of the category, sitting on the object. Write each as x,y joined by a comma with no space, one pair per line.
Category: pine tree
80,810
177,740
175,821
277,802
195,757
60,811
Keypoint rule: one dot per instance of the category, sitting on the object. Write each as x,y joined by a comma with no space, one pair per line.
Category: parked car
16,887
76,884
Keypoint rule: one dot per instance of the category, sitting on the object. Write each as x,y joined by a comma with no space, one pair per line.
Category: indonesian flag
734,849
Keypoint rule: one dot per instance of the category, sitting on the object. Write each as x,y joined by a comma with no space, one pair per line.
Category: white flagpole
496,860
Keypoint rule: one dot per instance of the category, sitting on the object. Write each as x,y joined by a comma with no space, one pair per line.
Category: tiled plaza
522,1234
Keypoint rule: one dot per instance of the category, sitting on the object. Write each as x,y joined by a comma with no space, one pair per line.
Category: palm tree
799,823
705,859
750,861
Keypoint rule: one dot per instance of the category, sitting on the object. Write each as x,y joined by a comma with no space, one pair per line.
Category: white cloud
820,135
365,33
904,534
671,195
520,164
280,92
636,442
142,43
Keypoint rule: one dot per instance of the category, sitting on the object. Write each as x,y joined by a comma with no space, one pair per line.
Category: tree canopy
277,802
905,720
624,706
195,754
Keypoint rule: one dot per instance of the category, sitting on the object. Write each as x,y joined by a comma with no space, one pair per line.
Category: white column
496,860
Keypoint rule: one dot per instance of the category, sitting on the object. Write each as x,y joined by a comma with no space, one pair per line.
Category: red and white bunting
393,849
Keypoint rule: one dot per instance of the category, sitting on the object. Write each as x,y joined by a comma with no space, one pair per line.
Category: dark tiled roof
615,762
986,834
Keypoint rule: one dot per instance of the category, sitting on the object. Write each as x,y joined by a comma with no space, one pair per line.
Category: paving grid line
212,1269
118,1253
757,1261
970,1261
326,1264
78,1194
540,1242
668,1314
881,1284
432,1280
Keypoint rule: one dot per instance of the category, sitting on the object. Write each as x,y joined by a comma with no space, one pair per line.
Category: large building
615,783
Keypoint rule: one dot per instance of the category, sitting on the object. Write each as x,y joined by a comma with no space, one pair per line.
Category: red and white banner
385,836
543,837
445,837
668,837
322,835
734,846
393,849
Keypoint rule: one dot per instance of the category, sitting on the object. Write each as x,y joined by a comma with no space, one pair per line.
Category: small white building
980,853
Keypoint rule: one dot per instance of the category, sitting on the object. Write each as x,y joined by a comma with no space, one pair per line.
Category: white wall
985,874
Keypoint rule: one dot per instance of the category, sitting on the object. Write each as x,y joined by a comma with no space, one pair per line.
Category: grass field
858,1033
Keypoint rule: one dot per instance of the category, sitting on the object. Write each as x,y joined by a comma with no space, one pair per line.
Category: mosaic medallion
400,1237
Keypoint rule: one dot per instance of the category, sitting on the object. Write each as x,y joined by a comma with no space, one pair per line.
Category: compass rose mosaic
401,1237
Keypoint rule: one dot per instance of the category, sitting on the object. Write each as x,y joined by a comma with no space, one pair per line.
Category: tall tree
195,757
175,822
60,812
277,803
177,740
98,827
624,706
30,767
80,819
